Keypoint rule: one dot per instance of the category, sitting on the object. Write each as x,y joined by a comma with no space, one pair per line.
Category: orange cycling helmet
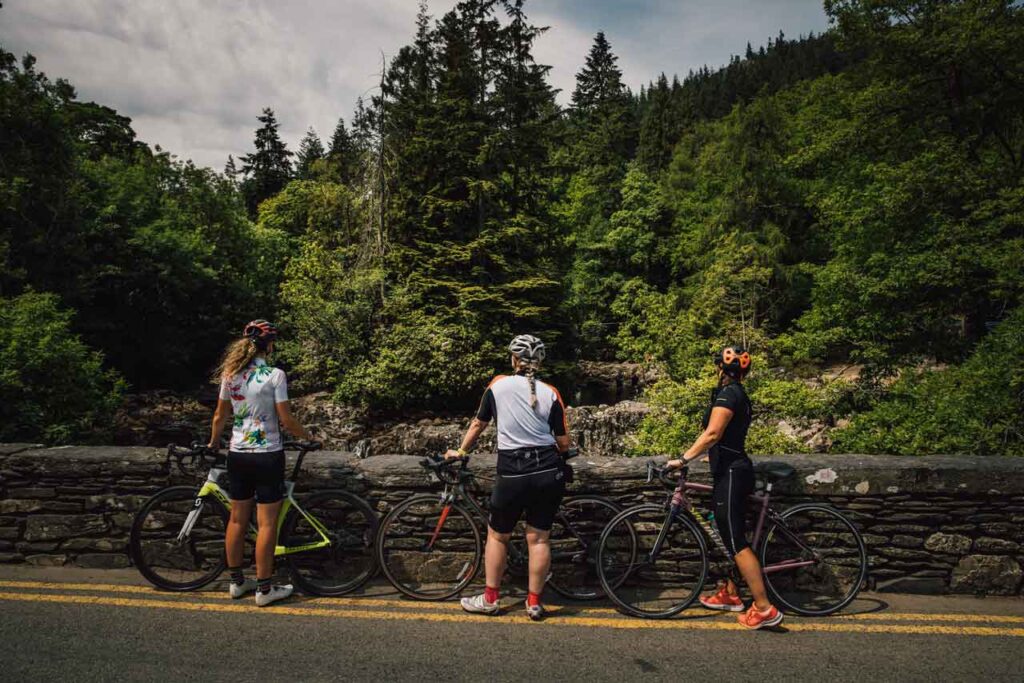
734,361
261,332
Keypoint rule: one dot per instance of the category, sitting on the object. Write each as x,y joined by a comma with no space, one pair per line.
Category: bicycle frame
211,487
680,501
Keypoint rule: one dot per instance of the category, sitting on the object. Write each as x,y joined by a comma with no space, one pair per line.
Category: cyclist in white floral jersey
256,394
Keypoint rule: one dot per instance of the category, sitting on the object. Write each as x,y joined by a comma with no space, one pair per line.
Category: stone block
101,561
47,560
954,544
59,527
95,544
904,541
904,554
920,583
10,533
33,547
992,574
995,546
11,558
24,505
32,492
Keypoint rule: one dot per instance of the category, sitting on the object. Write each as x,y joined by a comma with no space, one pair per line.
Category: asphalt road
71,624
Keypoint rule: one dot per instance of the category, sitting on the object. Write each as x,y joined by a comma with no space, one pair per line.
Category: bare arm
476,428
220,418
719,420
288,421
563,442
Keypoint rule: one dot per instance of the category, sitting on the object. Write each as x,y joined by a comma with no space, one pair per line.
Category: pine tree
342,157
656,135
269,168
311,150
231,170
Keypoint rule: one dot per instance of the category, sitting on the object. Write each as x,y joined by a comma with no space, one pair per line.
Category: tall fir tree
311,150
342,157
269,168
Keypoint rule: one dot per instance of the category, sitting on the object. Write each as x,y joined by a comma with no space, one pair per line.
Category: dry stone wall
932,524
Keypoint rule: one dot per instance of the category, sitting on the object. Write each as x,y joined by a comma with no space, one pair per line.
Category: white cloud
194,74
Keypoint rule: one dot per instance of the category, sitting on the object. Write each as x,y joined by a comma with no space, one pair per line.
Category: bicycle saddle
774,471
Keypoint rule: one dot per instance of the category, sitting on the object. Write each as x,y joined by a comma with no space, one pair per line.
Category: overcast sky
194,74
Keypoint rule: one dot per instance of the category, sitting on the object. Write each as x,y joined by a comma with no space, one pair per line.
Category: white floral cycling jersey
254,394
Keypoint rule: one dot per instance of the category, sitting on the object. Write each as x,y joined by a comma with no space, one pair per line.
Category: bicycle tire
423,569
630,585
850,566
152,553
350,560
574,551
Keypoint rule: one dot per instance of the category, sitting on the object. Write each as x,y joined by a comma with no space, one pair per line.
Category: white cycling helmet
527,347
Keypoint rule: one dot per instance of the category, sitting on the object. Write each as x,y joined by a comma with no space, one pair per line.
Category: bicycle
430,547
813,558
177,536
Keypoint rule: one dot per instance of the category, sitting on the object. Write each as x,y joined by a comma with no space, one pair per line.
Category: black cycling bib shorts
256,473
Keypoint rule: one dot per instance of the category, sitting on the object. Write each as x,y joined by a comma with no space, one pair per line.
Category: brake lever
650,471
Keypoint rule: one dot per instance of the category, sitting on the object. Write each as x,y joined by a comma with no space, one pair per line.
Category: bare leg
495,556
750,568
266,539
234,538
539,545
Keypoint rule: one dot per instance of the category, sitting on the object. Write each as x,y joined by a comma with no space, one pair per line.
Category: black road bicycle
653,559
430,546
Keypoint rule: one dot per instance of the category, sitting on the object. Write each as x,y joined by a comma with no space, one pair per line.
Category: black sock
264,585
237,576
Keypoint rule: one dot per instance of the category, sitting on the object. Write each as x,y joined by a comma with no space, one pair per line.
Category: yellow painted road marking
577,621
454,606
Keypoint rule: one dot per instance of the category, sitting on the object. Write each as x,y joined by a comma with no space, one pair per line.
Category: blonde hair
236,358
529,368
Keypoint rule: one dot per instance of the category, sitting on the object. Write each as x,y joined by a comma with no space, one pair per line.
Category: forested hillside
852,198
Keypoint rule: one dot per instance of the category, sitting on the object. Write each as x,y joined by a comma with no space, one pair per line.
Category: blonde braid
531,369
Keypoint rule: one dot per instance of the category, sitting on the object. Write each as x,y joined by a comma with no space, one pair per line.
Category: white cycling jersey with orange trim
507,400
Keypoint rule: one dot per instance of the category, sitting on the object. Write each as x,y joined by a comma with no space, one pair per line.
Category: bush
677,408
53,387
972,408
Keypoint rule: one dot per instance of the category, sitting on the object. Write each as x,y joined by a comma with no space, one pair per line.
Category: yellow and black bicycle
177,539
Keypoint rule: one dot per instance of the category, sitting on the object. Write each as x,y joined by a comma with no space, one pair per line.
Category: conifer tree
310,150
269,168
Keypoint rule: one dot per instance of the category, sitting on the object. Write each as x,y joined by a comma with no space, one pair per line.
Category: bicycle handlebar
662,473
449,471
303,446
197,455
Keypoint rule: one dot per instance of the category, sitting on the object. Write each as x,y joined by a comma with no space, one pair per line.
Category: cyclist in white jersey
256,395
532,439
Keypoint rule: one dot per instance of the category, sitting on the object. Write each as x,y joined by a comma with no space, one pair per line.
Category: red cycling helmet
734,361
261,332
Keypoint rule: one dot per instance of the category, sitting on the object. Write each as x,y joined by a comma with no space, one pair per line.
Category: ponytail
530,368
236,358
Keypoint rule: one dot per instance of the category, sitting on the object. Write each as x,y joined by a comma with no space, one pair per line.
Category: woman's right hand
674,464
451,454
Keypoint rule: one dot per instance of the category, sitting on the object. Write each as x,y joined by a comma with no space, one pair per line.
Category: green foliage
973,408
678,407
53,388
269,168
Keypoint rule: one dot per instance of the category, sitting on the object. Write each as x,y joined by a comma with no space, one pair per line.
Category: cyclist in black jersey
726,422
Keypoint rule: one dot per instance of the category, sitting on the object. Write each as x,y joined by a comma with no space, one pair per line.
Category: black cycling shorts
258,474
731,488
538,494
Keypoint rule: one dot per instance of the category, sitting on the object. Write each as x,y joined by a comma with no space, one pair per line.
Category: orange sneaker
723,601
754,618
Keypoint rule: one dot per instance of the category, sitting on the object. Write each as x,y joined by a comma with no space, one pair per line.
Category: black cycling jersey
731,446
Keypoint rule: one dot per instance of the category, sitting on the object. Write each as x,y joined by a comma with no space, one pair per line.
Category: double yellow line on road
404,610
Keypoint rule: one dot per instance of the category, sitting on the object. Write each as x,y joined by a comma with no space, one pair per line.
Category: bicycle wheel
650,564
172,563
427,549
574,538
831,543
348,562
